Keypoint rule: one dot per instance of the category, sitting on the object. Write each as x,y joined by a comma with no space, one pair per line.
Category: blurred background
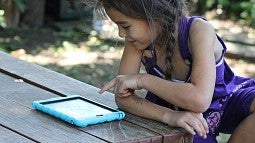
66,36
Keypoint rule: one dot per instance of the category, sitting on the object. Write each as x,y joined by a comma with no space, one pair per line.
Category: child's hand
123,85
190,121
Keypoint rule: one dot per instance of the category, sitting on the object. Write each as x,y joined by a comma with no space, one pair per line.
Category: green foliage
21,4
232,9
2,20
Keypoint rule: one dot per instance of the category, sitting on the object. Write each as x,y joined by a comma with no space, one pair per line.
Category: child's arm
195,96
190,121
130,60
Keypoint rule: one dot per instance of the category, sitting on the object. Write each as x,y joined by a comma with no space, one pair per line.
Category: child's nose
122,34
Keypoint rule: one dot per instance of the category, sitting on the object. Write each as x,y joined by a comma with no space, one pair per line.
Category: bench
23,82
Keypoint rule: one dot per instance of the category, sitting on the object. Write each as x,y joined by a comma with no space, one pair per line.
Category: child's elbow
202,105
118,102
121,103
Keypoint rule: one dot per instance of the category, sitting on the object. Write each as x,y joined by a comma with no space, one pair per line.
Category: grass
68,49
79,53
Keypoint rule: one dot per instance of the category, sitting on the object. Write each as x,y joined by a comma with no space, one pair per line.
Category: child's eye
125,27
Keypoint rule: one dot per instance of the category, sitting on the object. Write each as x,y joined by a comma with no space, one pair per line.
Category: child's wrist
140,80
167,117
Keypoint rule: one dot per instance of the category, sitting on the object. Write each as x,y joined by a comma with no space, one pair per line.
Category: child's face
135,31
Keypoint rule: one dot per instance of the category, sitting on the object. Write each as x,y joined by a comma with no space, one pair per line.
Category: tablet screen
78,108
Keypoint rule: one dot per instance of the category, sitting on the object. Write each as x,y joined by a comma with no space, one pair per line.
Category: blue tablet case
78,110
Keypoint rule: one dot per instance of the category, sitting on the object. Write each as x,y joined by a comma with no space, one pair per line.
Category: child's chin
140,46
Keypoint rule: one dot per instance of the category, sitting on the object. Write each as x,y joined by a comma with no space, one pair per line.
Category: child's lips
132,41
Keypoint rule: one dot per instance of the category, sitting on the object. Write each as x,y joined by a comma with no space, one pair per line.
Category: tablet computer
78,110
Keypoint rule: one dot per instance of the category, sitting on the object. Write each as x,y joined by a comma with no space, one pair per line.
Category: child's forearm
185,95
190,121
141,107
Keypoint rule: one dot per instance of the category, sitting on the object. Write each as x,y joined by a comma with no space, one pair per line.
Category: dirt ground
97,67
76,53
242,67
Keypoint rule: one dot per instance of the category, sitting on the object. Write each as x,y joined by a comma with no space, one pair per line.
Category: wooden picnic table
22,82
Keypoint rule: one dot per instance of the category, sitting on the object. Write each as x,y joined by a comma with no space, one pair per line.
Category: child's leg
239,117
245,132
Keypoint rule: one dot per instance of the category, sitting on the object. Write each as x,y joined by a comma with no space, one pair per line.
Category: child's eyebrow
121,22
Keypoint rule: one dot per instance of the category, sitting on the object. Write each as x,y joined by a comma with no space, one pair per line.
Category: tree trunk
11,13
34,14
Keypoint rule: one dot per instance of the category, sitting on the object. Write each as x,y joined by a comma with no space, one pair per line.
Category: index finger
107,86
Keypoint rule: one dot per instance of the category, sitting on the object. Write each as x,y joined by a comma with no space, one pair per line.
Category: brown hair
166,13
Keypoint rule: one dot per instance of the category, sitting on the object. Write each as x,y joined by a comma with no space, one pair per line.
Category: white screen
78,108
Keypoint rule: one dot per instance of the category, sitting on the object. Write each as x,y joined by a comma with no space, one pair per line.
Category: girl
186,71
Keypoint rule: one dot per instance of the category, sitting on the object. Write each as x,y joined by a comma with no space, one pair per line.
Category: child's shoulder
199,24
198,21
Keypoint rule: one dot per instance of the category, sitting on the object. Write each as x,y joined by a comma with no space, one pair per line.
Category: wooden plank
8,136
50,80
122,131
16,100
15,94
39,127
77,87
24,93
170,134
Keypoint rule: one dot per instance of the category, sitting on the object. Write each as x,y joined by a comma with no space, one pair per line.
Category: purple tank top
226,81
